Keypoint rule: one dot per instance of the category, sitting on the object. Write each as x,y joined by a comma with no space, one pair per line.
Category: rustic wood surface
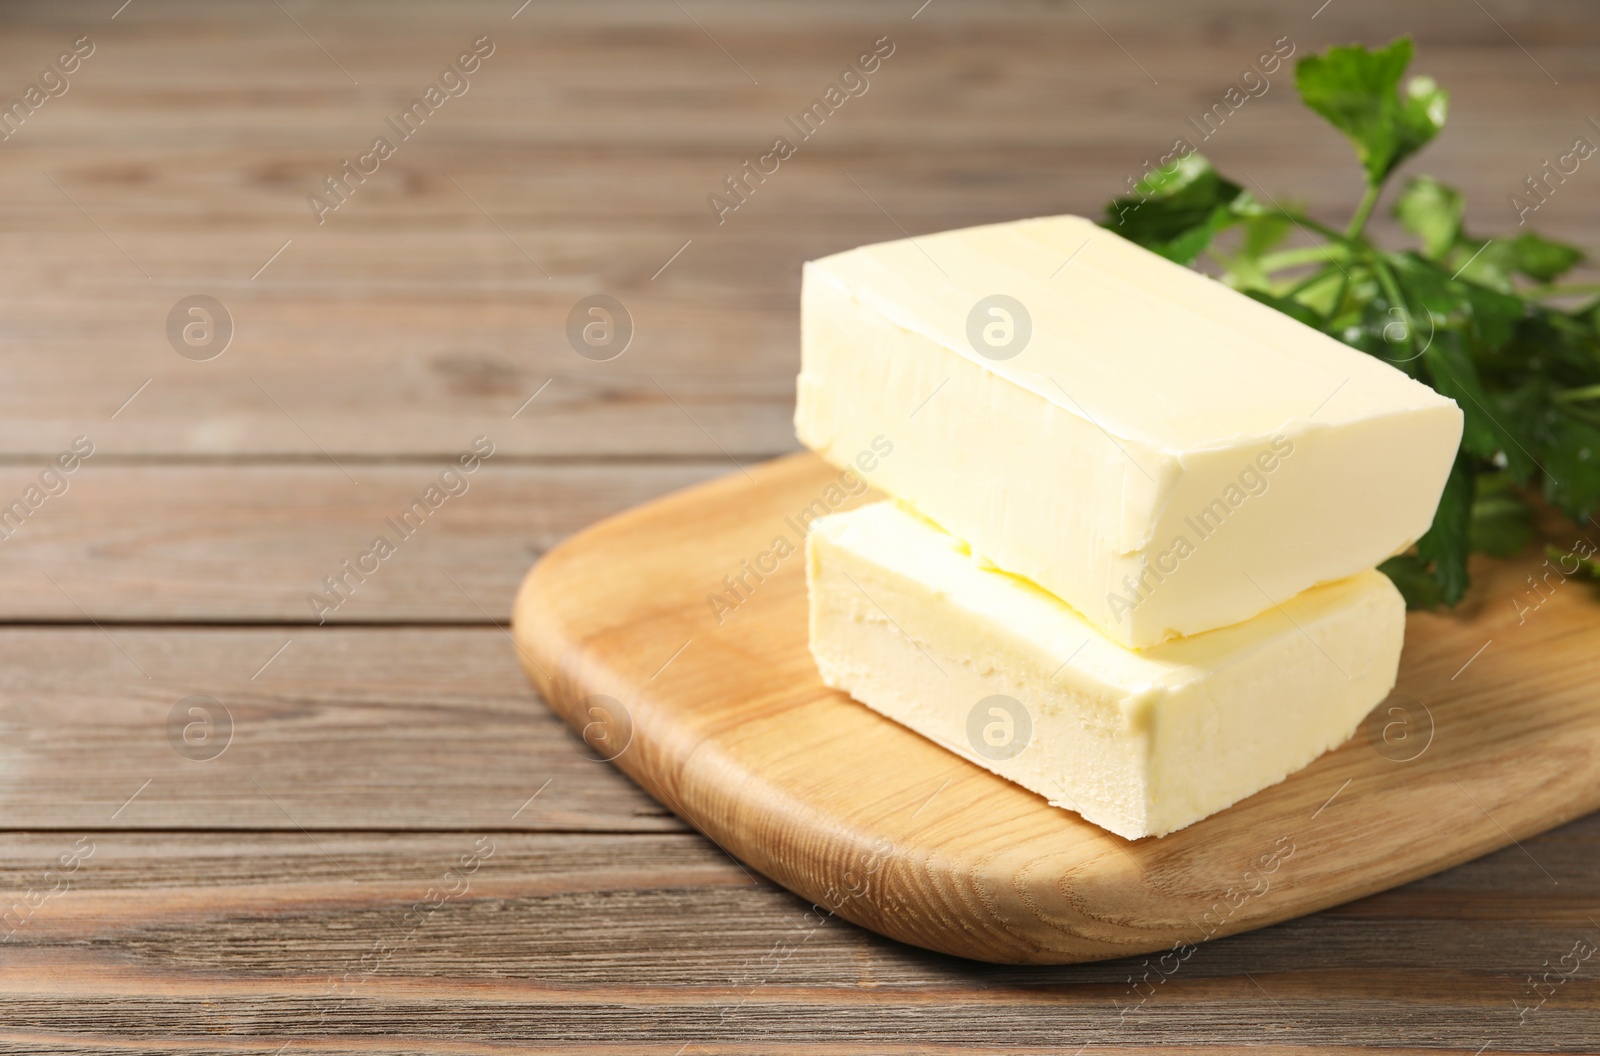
228,903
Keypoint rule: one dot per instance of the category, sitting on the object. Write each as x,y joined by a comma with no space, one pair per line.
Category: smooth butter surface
907,621
1163,453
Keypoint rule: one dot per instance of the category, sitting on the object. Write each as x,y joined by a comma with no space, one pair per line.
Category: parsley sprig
1482,321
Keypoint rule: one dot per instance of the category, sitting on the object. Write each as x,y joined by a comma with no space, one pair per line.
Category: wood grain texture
656,943
739,736
414,320
251,542
591,139
362,728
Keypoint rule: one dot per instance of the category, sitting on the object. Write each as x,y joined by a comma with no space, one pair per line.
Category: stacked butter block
1129,559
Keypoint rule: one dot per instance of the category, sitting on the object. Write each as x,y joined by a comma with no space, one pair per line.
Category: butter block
909,622
1163,453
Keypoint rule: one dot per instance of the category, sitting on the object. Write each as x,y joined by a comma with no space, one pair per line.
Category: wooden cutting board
1493,734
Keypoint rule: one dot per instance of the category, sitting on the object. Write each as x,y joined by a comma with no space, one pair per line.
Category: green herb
1587,567
1480,320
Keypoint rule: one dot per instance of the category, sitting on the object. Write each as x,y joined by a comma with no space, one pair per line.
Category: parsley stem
1324,229
1391,290
1290,258
1369,199
1301,220
1587,392
1309,281
1338,298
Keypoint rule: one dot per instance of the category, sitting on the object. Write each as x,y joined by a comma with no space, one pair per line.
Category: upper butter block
1163,453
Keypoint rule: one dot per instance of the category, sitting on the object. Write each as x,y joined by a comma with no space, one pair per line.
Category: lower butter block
1140,742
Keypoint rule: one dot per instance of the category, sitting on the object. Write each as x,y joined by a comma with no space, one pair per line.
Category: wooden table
398,849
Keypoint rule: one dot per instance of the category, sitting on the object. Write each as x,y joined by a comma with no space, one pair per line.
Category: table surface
398,847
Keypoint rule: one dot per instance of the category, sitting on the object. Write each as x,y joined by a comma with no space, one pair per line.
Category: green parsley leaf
1572,464
1502,524
1493,263
1448,542
1494,314
1288,307
1176,212
1432,212
1263,232
1486,432
1358,92
1541,258
1415,579
1483,261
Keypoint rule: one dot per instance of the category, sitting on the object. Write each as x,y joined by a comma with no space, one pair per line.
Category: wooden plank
742,739
317,728
411,319
251,542
248,942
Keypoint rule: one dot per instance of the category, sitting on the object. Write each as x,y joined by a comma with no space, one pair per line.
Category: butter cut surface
909,622
1161,452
